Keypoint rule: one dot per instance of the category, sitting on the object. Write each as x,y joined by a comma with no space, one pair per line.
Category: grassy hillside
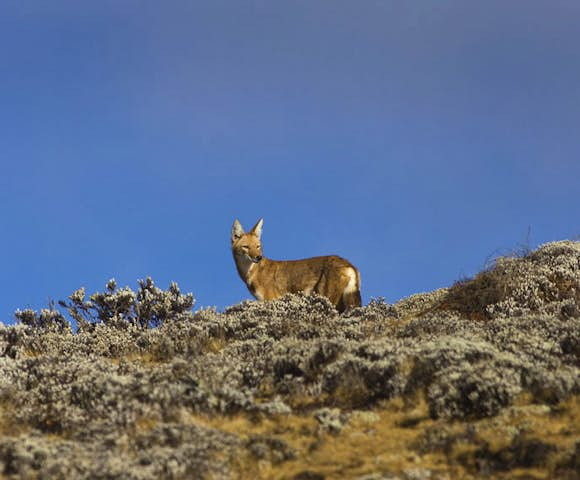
480,380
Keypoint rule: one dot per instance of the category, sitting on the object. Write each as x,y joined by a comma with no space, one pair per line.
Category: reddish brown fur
331,276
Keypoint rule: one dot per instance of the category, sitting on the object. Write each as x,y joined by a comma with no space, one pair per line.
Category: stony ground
480,380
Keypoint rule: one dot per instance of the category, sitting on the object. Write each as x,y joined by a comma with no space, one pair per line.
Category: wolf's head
247,245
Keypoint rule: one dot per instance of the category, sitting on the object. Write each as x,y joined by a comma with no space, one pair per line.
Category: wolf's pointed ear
257,230
237,230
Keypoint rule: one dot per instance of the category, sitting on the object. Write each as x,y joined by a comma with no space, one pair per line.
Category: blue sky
415,139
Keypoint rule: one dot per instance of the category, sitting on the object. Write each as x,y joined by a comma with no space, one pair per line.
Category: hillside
480,380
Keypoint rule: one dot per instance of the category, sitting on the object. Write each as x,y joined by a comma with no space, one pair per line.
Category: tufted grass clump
514,286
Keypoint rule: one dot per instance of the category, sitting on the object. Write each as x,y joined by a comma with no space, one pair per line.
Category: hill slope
478,380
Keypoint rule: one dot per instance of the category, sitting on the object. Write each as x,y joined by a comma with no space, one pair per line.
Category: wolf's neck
244,266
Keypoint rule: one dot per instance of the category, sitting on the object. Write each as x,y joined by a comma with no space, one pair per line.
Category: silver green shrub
47,319
148,307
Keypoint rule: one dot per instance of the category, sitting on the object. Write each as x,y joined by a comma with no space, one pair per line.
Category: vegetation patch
481,380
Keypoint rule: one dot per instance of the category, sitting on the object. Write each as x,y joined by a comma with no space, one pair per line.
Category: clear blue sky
413,138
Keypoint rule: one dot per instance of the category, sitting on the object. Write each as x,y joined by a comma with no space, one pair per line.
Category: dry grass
471,296
8,425
378,440
215,345
534,439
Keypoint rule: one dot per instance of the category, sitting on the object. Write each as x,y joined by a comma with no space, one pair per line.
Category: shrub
48,319
120,307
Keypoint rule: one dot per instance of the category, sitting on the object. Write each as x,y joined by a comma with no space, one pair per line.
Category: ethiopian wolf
331,276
